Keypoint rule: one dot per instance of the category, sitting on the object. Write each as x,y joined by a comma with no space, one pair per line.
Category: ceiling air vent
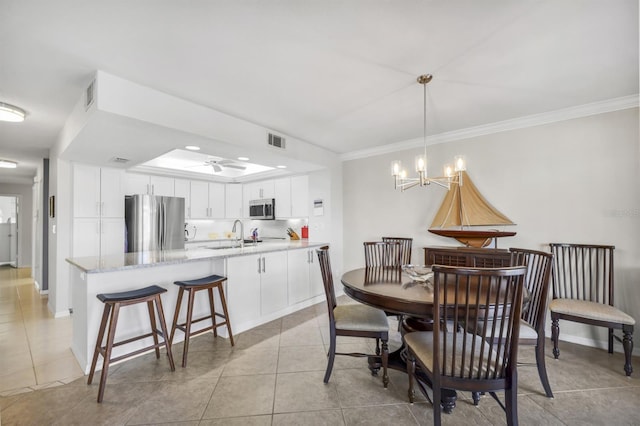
90,95
119,160
277,141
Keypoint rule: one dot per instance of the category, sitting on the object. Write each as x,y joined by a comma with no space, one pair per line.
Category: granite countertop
124,261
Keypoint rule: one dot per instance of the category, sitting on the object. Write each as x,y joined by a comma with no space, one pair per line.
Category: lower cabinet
256,286
261,285
273,282
304,277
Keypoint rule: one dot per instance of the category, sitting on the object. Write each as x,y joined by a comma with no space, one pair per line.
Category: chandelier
452,173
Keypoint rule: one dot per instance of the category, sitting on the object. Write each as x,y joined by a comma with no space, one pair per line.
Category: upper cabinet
183,190
233,201
300,196
291,195
97,192
135,183
282,191
207,200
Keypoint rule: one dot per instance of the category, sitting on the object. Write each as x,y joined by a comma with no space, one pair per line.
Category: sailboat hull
472,238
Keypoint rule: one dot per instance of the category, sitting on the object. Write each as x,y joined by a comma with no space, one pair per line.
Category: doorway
9,230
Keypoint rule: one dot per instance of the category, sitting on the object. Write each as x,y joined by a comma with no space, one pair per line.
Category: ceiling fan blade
235,166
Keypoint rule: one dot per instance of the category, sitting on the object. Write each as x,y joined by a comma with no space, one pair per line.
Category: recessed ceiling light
8,164
281,167
11,113
192,148
243,158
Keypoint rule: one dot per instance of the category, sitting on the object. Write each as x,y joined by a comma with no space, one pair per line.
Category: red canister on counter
305,231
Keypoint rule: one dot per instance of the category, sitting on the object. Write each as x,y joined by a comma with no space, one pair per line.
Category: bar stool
192,286
112,303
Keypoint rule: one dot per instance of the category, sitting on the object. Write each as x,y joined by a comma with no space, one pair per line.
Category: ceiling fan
219,165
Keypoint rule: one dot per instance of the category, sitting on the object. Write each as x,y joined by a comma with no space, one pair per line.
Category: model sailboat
464,207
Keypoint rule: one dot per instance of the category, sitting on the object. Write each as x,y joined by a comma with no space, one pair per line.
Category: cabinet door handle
263,267
311,256
258,265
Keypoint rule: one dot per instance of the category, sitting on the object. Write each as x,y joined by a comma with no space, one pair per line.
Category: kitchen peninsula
265,281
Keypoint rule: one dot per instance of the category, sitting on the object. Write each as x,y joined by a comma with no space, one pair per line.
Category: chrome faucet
241,231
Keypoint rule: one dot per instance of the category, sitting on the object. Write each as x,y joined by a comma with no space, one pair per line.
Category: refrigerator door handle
161,227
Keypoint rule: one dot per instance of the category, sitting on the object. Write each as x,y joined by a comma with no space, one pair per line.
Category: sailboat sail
463,207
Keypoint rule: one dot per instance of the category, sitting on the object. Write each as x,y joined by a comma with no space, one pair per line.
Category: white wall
25,232
571,181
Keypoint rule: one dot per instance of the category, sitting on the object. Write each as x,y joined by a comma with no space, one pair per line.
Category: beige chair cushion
360,317
526,331
421,343
590,310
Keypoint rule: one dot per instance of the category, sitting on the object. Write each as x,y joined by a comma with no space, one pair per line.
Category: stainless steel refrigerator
154,222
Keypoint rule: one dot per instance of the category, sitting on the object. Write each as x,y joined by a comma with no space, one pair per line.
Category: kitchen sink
222,247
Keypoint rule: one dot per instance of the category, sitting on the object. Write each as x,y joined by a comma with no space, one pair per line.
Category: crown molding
594,108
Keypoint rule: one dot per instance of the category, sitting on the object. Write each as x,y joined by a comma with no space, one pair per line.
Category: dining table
395,292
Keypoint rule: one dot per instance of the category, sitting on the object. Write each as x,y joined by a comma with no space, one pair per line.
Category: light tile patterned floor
273,376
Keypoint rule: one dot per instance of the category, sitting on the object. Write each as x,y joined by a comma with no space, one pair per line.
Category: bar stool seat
193,286
112,303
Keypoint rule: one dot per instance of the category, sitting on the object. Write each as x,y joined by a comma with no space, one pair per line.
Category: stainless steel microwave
262,209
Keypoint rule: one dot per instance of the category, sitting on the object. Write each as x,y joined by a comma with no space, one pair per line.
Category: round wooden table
393,291
390,290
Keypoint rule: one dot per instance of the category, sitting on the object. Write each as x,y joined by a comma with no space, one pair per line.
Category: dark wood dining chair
355,320
389,254
583,292
382,254
405,248
488,300
532,321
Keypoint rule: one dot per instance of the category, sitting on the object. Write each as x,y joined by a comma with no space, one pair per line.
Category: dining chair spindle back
355,320
488,301
583,278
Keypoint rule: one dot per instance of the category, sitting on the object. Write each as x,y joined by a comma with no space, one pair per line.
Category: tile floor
273,376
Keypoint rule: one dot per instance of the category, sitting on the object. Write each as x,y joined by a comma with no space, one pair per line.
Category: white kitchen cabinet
298,276
282,195
243,290
207,200
299,196
86,190
199,199
259,190
98,211
216,200
86,237
256,286
304,276
97,192
233,201
152,185
182,189
98,237
273,282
